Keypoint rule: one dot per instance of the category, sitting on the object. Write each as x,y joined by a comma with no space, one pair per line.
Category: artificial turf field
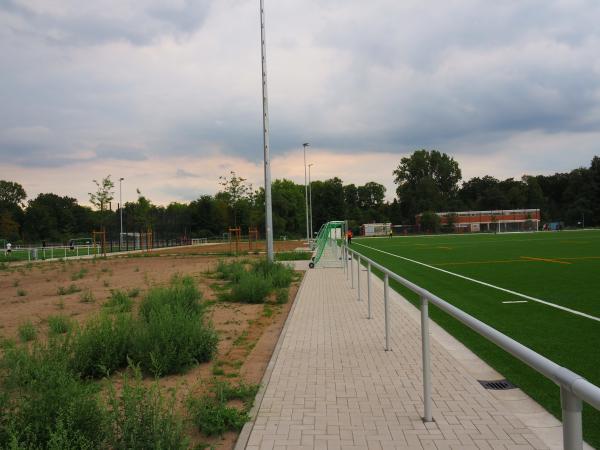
542,289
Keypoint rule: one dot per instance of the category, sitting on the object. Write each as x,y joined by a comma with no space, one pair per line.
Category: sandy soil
248,333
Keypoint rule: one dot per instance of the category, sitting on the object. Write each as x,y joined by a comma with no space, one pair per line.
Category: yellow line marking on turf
445,248
531,258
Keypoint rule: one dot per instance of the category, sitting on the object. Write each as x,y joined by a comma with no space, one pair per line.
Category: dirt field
247,333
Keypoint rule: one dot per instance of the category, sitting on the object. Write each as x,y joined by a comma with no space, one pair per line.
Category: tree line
427,181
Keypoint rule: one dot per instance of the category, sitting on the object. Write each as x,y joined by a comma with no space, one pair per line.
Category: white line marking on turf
483,283
516,301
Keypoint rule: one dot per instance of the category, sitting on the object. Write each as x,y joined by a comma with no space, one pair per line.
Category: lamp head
306,144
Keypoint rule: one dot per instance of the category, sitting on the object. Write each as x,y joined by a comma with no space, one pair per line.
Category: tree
11,194
427,180
371,195
430,222
235,192
104,193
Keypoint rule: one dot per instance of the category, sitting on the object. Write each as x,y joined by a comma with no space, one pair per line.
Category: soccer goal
200,241
327,252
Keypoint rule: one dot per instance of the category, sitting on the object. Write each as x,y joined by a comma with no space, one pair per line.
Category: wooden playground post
234,236
102,239
252,238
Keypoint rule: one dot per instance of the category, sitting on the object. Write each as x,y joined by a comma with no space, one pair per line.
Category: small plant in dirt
143,417
133,292
211,413
16,283
3,266
27,332
60,304
231,271
59,324
21,293
267,311
87,296
79,274
119,301
72,289
282,296
105,283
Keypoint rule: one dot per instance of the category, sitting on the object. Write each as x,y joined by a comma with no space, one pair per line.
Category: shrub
169,340
119,301
280,274
21,292
27,332
283,296
211,414
252,287
231,271
142,418
59,324
133,293
213,418
50,407
181,294
102,345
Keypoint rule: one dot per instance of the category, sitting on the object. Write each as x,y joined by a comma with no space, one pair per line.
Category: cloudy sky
166,93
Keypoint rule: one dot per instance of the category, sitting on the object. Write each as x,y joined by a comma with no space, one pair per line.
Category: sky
167,94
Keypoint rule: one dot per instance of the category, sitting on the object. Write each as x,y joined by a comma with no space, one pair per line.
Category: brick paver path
334,386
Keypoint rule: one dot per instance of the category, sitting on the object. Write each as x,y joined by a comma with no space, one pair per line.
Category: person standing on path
349,237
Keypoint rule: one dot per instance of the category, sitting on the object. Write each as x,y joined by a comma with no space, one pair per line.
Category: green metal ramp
327,252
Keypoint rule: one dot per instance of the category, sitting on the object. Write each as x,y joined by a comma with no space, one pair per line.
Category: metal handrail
573,388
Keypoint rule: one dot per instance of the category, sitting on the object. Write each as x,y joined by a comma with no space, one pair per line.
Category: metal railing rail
573,388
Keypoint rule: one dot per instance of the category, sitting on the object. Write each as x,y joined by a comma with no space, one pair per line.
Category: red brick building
500,220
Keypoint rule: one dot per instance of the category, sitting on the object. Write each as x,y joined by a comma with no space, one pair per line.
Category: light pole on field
306,144
267,160
121,212
312,236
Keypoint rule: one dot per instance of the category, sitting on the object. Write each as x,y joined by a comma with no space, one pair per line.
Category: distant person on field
8,248
349,237
391,233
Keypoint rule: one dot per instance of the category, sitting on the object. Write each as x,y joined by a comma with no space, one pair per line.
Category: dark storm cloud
132,81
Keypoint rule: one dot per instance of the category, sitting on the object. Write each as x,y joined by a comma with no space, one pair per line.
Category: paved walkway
332,384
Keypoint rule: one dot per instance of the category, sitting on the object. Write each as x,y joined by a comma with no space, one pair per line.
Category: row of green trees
426,181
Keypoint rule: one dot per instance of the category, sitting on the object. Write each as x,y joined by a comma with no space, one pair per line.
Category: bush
252,287
231,271
281,275
102,345
213,418
70,290
170,340
49,406
142,418
59,324
211,414
27,332
181,294
119,301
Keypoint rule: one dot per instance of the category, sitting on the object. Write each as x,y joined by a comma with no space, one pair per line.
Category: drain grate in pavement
497,385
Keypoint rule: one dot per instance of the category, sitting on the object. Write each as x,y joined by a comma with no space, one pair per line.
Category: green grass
59,324
560,268
27,332
119,301
293,256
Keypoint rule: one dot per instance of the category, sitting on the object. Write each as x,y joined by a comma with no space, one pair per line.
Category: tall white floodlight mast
268,205
121,212
306,144
312,236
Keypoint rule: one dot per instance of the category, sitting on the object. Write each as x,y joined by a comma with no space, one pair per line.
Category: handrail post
386,288
352,270
571,415
358,274
369,290
427,417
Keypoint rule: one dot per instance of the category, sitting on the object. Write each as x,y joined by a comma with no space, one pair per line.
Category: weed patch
59,324
119,301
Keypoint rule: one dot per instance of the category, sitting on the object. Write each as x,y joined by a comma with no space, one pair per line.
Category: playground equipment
327,253
252,238
99,239
234,239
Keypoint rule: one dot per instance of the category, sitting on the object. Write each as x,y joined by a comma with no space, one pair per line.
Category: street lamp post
267,160
312,236
121,213
306,144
